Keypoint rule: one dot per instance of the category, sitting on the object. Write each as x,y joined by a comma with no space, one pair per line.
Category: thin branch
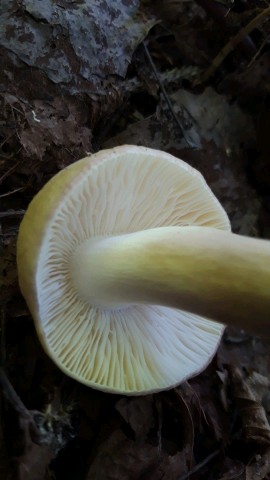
219,13
199,466
166,97
230,46
12,213
10,170
11,192
13,398
3,337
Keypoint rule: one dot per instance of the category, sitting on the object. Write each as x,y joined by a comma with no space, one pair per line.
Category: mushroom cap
134,350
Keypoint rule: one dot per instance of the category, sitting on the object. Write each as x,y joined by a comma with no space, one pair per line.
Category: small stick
3,336
11,192
230,46
166,97
12,213
13,398
199,466
219,13
10,170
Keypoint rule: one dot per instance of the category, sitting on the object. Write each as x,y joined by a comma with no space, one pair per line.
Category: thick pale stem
206,271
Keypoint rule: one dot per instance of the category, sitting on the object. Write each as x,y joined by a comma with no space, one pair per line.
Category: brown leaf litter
78,76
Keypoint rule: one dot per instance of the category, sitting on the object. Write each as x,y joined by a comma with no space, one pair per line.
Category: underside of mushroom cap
140,348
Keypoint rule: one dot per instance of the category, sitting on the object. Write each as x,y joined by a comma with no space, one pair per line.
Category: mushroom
129,268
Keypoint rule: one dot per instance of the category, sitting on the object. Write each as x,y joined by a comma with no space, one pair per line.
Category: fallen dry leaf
121,458
78,41
248,389
138,413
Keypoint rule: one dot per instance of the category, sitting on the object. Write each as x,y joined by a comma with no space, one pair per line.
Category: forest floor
188,77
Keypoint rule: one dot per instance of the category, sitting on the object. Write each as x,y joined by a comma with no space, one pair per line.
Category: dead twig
12,213
11,192
11,169
220,13
3,339
166,97
200,465
13,398
230,46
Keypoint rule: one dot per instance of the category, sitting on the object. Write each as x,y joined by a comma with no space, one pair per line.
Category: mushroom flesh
129,268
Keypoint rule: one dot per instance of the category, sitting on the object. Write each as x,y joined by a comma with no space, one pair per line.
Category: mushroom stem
213,273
